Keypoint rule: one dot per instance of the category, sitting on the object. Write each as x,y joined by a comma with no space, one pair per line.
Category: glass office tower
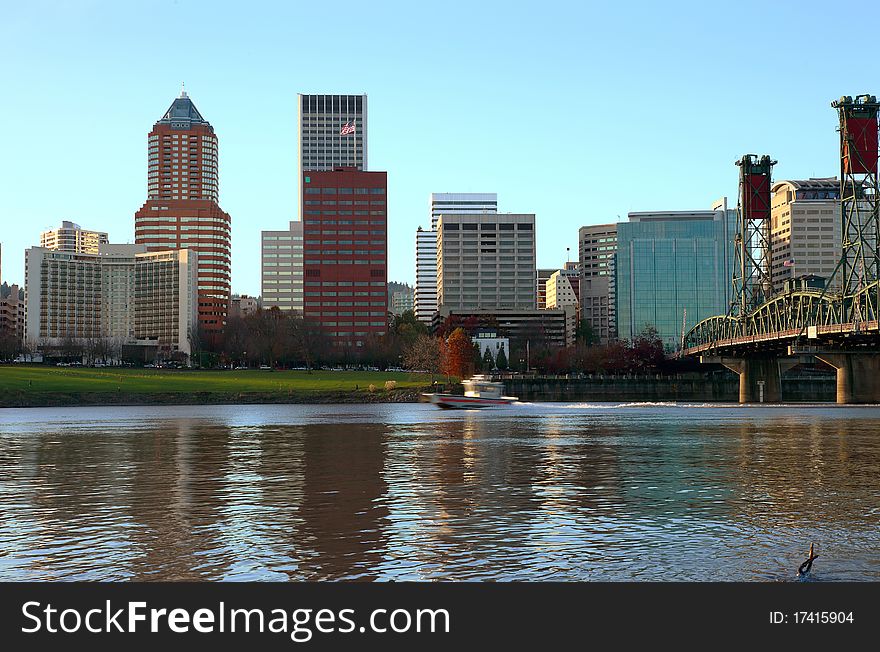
673,270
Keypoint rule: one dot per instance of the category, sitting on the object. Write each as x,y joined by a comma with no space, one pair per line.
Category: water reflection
406,492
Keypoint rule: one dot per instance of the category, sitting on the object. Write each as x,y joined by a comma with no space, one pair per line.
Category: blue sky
578,112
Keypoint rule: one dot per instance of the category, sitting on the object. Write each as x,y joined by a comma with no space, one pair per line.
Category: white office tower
426,275
461,203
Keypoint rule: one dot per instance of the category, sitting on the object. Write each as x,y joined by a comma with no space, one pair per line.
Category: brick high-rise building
182,209
345,237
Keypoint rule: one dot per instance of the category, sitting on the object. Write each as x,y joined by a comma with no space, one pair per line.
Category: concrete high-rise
182,209
562,289
543,275
401,301
345,265
282,268
12,314
486,261
123,294
805,229
597,246
442,203
72,237
332,133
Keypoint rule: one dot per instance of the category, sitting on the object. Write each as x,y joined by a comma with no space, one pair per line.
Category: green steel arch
783,316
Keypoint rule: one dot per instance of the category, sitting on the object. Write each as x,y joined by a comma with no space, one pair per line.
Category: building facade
425,299
486,262
322,146
489,340
345,239
401,301
543,275
426,243
12,313
72,237
243,305
673,269
123,294
562,289
529,327
805,229
461,203
182,209
281,266
597,246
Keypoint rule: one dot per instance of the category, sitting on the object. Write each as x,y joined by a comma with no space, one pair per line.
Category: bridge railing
782,316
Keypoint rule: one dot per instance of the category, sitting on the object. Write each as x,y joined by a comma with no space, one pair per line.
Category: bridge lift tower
752,279
859,201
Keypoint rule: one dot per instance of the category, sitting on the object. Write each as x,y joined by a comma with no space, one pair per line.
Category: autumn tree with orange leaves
458,354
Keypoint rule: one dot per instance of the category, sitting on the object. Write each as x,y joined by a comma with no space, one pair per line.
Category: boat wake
614,406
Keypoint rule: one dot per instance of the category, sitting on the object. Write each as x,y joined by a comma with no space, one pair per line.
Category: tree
647,350
501,359
423,355
197,340
10,345
406,327
584,333
477,358
71,348
488,360
459,354
309,342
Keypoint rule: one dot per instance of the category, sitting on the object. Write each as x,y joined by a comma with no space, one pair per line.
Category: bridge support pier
760,379
858,375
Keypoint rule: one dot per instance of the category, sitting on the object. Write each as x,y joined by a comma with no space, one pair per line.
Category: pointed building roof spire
183,113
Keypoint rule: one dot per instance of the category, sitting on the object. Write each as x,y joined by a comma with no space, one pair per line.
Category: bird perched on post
807,565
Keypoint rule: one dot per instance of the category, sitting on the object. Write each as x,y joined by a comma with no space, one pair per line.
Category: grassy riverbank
34,385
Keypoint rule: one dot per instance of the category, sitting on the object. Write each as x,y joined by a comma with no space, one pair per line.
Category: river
546,491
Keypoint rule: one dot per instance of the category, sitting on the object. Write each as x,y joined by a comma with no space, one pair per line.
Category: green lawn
62,379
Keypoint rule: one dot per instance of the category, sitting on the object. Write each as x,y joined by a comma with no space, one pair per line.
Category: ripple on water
404,492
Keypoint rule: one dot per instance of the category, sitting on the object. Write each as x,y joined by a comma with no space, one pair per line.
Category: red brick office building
182,209
345,259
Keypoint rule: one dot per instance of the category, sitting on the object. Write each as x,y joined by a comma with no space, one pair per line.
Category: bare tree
424,354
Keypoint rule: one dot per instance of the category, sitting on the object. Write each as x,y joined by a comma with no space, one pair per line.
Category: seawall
661,388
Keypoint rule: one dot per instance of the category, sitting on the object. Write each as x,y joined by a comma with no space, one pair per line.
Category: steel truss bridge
764,333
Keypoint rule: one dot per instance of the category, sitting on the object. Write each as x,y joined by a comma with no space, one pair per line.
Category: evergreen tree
501,359
478,360
488,360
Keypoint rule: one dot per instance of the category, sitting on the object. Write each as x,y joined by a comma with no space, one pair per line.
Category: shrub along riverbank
35,385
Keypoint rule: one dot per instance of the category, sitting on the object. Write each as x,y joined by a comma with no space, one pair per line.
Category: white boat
479,392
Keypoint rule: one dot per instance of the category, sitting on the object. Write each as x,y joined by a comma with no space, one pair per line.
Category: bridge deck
850,328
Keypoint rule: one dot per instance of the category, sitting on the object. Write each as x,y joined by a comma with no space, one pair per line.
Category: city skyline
619,151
